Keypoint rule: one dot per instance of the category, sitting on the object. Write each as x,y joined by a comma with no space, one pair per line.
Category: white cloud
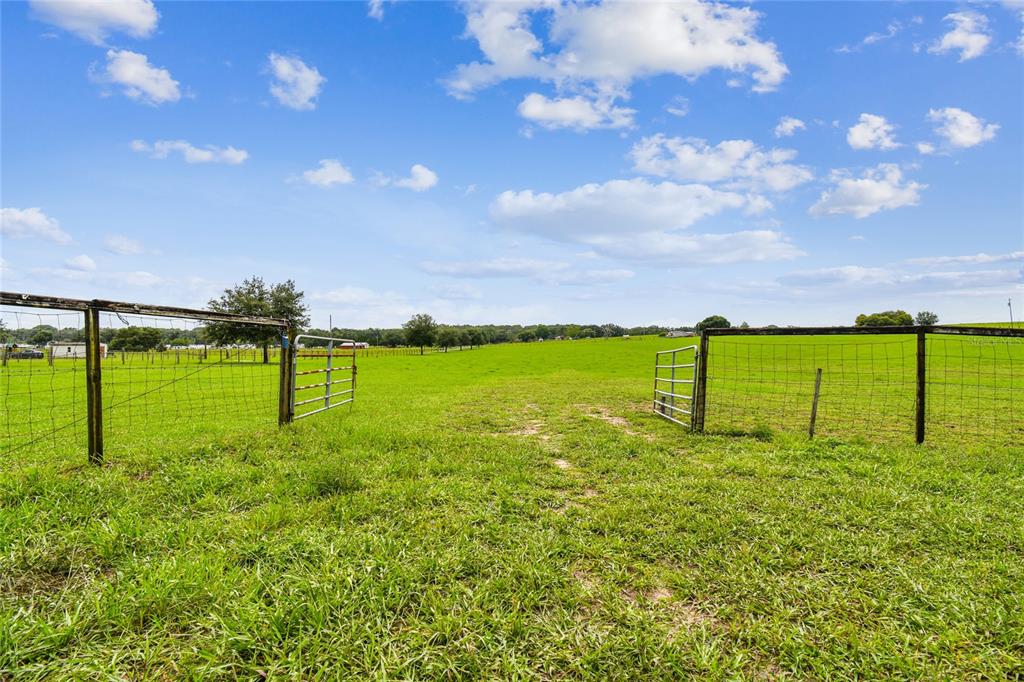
970,35
122,245
82,263
22,223
585,57
611,208
678,106
457,291
880,188
855,278
789,125
94,20
740,163
556,273
137,78
494,268
872,132
961,129
420,179
329,172
161,149
375,9
635,219
120,280
925,148
295,84
976,259
579,113
891,31
673,248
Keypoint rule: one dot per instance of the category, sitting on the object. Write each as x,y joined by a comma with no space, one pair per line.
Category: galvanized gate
336,350
675,375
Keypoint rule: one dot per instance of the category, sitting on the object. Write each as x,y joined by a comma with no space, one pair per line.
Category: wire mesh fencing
168,393
107,377
943,384
44,402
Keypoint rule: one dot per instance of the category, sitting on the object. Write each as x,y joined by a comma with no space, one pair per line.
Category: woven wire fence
171,394
166,395
44,402
973,386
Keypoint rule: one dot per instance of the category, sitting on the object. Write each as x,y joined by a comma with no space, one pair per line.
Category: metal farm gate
333,375
675,368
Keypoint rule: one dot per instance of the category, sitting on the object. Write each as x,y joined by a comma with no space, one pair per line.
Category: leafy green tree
712,322
476,337
527,335
888,318
136,339
926,318
447,337
392,338
42,336
179,342
253,297
420,330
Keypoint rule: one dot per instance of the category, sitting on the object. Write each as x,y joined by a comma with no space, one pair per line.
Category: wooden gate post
922,376
93,385
284,397
700,391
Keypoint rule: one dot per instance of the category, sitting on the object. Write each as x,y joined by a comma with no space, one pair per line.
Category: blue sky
787,163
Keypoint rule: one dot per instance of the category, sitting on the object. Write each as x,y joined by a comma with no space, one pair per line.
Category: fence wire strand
868,386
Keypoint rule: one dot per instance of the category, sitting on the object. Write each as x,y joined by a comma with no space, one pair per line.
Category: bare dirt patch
562,464
587,581
605,415
530,428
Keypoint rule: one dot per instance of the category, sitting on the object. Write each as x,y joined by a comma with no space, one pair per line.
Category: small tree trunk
266,353
421,350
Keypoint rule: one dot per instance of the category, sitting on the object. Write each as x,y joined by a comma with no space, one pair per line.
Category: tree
40,335
926,318
254,298
392,338
447,337
712,322
527,335
888,318
136,339
420,330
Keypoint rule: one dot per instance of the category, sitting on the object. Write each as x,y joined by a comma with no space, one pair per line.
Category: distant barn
76,349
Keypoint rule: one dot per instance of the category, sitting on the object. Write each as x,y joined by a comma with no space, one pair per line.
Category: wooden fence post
814,403
93,385
284,397
700,390
922,375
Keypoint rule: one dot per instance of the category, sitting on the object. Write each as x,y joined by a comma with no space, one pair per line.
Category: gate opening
322,362
675,375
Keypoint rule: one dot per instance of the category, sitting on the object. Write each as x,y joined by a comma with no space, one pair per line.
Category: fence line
936,382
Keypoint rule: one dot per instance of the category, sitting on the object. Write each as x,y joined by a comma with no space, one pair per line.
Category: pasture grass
514,512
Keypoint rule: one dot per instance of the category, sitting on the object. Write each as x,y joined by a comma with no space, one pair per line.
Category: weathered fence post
922,375
284,398
700,392
93,385
814,403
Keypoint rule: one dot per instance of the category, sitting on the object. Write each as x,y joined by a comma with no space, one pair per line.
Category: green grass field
518,512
